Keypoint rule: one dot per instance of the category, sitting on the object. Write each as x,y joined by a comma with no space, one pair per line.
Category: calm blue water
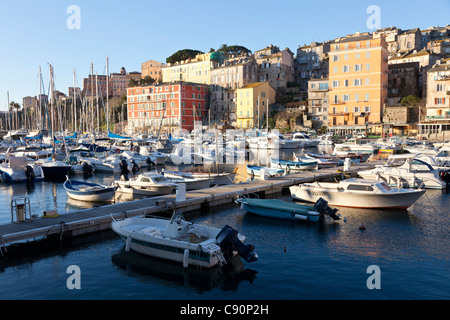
326,260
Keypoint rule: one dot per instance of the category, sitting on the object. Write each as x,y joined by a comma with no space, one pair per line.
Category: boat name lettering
318,193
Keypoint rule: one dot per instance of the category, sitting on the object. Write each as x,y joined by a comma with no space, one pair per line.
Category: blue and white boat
85,191
275,208
181,241
255,171
294,165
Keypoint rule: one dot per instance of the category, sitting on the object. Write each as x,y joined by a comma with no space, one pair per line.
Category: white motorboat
355,145
325,140
183,242
407,171
304,140
54,169
17,169
148,183
357,193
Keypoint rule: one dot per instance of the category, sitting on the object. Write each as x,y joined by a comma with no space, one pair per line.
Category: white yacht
407,171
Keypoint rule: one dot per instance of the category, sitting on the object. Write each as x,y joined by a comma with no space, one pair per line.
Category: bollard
347,163
181,192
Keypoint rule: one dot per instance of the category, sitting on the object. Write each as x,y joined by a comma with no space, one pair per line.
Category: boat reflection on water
146,269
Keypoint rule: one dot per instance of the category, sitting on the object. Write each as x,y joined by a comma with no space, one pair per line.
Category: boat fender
300,217
186,258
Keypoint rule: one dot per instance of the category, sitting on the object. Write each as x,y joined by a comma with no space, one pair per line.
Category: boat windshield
395,162
159,179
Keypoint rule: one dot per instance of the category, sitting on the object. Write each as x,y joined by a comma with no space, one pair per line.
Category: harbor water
328,260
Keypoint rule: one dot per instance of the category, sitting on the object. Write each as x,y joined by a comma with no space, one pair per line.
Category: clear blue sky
34,33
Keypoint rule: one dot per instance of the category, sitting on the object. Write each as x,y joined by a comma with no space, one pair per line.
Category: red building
172,106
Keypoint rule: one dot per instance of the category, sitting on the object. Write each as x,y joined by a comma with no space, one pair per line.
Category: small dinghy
274,208
181,241
85,191
256,171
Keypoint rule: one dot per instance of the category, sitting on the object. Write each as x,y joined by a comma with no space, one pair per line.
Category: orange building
358,80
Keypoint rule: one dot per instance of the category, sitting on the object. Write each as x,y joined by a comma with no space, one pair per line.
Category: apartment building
119,81
253,104
195,70
318,97
311,62
169,106
358,81
438,92
275,67
235,73
152,69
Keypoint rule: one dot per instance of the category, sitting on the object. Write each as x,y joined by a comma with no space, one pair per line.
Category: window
345,83
336,99
355,109
367,109
346,56
357,55
357,82
367,97
368,54
367,81
356,97
346,69
335,83
357,187
335,58
358,67
367,66
439,87
335,69
346,97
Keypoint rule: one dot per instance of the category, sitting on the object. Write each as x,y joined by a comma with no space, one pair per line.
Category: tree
234,50
183,54
147,80
410,100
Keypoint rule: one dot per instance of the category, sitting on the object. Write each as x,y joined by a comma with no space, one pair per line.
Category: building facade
253,104
311,63
318,97
196,70
275,67
167,106
403,80
438,92
358,81
119,81
235,73
152,69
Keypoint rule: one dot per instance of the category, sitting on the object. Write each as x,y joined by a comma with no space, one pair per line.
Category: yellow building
252,103
195,70
358,79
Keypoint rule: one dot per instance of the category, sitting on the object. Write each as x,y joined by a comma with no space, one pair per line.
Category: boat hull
261,208
150,190
395,200
92,195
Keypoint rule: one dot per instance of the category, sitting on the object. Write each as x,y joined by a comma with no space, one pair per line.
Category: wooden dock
99,218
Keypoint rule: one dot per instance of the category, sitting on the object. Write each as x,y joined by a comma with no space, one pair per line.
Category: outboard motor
29,172
87,169
322,207
228,241
135,166
445,176
150,162
124,166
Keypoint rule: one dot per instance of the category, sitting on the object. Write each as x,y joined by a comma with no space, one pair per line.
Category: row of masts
78,113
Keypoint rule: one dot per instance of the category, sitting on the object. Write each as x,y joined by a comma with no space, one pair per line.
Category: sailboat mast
107,94
51,105
74,103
